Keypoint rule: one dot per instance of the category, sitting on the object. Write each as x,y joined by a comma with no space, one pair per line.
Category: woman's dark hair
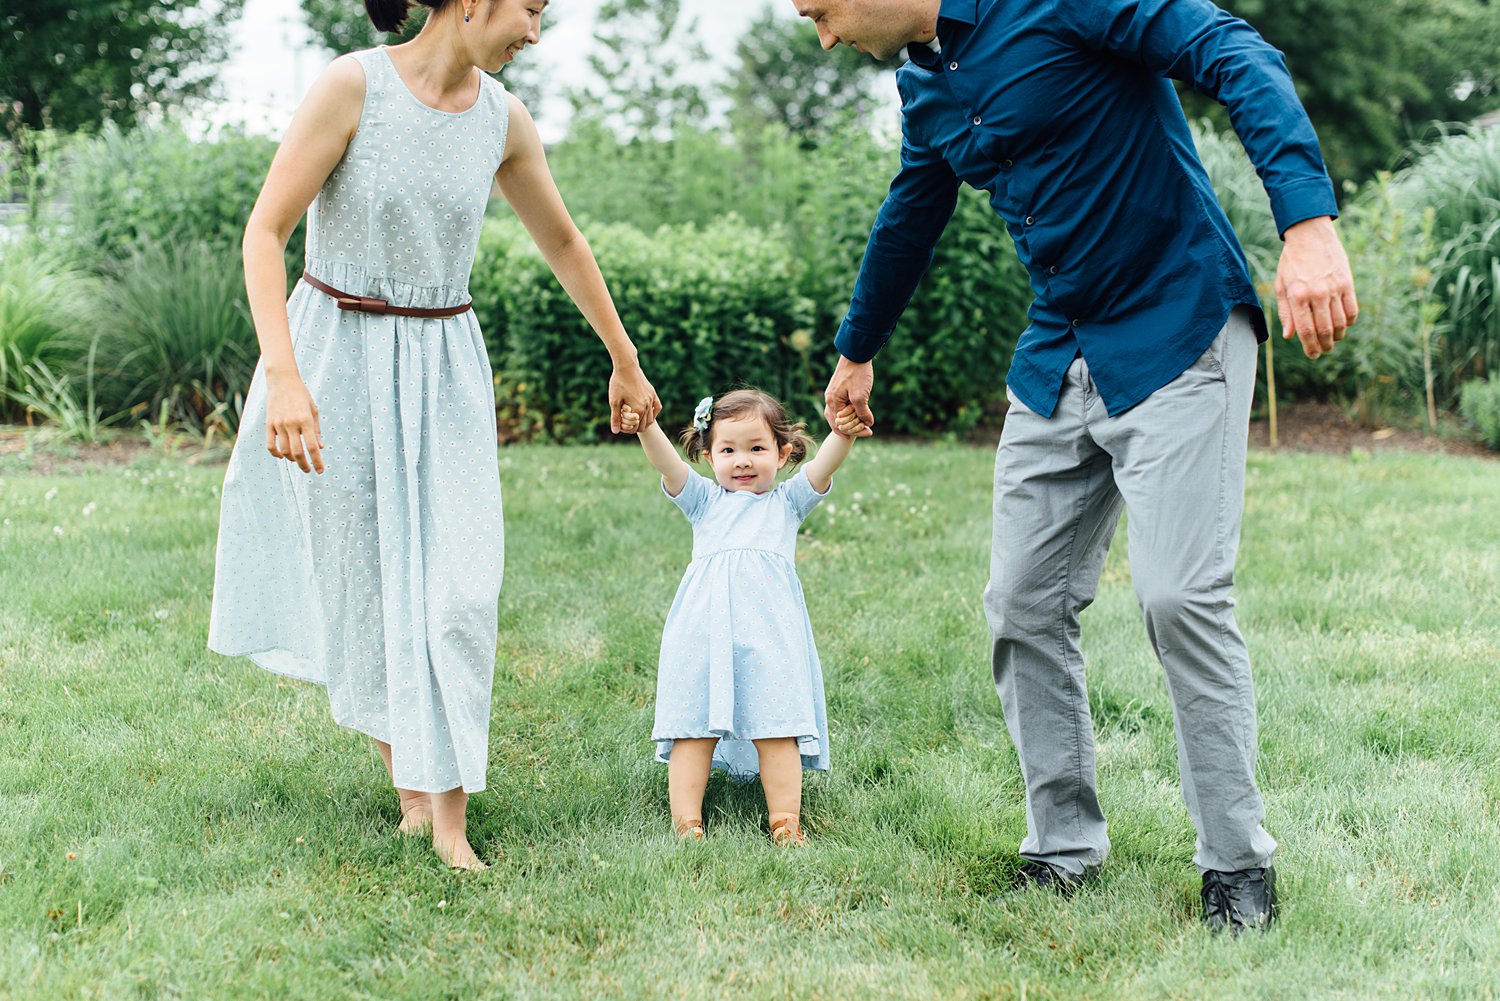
390,15
749,403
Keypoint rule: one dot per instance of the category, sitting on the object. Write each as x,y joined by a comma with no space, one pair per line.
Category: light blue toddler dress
380,579
737,654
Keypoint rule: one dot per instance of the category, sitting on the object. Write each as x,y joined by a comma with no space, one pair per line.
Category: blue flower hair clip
703,413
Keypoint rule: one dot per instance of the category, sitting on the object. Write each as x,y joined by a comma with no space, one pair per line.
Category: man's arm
1225,58
906,231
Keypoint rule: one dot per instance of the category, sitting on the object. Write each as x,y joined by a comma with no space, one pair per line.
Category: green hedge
116,192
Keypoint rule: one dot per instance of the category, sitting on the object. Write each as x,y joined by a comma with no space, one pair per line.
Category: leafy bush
118,191
44,304
707,308
179,342
1479,403
1457,179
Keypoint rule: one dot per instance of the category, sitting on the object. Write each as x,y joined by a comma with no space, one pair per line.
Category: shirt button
953,66
1052,270
1007,163
977,120
1031,220
1077,323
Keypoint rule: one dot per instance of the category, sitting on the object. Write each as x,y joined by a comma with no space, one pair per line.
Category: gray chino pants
1176,463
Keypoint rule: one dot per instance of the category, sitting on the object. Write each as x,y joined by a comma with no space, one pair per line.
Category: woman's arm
674,471
527,184
315,142
834,450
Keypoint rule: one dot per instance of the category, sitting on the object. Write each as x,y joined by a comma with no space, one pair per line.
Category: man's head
880,27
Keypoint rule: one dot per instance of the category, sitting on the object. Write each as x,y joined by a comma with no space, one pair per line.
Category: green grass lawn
176,824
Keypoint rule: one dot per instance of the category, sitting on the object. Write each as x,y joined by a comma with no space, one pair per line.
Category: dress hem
254,658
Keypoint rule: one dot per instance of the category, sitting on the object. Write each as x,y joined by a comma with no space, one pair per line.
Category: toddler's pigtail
802,443
694,443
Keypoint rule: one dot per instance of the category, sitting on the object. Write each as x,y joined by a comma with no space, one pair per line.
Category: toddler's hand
630,421
848,424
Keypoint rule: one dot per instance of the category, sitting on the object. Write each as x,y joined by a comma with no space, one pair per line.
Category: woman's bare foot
416,813
416,807
450,837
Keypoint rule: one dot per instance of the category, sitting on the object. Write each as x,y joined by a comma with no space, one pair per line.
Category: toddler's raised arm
663,455
834,450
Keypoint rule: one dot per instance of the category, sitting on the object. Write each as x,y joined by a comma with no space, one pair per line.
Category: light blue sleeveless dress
738,660
380,579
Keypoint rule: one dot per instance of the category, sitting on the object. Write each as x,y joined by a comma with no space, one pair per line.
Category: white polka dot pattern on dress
380,579
738,660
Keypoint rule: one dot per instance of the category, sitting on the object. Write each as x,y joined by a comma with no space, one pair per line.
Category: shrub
1479,403
707,308
119,191
179,343
1457,178
44,303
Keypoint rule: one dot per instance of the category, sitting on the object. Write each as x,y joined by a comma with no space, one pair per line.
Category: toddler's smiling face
745,455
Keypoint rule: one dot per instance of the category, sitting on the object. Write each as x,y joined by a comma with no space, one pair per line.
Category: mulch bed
1302,427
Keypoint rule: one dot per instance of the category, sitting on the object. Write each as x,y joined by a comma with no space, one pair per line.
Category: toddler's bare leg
781,776
450,837
416,808
687,777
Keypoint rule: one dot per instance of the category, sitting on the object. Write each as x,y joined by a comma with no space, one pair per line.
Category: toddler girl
739,686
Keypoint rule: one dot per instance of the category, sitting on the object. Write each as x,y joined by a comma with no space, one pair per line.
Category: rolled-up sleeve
1224,57
912,218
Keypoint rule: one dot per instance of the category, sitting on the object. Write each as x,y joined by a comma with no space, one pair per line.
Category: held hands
1314,287
293,431
630,421
850,388
847,423
629,390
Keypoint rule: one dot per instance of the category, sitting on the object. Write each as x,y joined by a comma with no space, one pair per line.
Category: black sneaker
1035,875
1239,900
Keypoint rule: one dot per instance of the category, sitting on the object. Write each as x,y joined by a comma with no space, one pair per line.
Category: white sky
274,60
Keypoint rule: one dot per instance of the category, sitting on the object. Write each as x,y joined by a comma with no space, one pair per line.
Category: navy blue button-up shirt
1061,110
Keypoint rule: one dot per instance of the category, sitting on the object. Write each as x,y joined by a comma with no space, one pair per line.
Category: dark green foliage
71,65
1375,75
707,309
1480,405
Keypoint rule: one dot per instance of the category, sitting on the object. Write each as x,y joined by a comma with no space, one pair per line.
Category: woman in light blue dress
376,573
739,685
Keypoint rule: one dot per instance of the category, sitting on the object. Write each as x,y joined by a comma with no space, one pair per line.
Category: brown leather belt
361,304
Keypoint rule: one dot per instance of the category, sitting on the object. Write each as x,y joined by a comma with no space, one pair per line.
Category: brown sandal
787,831
690,829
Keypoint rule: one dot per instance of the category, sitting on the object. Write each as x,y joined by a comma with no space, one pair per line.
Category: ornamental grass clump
1479,403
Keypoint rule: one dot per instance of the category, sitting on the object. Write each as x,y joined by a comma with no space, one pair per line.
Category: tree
785,78
72,65
1373,76
642,48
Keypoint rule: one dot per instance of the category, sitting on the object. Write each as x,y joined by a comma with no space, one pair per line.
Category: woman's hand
293,431
628,386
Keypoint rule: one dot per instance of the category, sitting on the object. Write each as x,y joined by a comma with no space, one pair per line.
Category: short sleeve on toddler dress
800,495
694,496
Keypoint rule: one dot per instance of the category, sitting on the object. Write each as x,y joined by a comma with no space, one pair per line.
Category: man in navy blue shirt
1130,388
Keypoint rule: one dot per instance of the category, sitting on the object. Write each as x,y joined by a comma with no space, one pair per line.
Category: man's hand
1314,287
850,386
